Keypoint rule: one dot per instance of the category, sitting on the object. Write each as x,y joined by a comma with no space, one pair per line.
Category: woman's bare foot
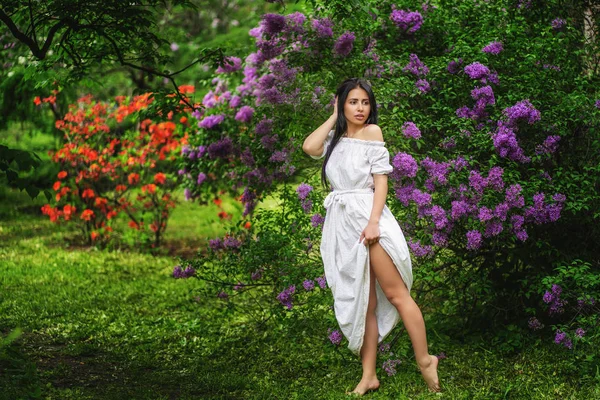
429,373
365,385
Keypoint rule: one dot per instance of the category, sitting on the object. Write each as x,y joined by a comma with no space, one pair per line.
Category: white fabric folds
345,259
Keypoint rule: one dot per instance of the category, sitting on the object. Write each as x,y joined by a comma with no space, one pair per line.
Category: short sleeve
325,144
379,158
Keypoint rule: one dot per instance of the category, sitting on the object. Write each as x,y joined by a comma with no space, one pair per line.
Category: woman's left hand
370,234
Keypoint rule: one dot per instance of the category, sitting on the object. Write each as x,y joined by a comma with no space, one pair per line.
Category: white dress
345,259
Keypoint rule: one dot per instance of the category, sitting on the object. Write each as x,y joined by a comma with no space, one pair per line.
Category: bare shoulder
373,132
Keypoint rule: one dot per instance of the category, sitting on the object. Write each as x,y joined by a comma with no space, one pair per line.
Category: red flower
247,225
101,202
62,174
223,215
87,215
217,201
94,235
56,186
68,210
183,120
133,178
37,101
121,188
151,188
88,193
133,225
153,227
160,178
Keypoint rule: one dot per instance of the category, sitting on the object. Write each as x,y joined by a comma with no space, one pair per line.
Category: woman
365,256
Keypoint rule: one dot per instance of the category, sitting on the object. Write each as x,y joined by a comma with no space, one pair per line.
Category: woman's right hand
335,110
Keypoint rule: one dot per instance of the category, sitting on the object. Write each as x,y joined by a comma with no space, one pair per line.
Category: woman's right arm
313,144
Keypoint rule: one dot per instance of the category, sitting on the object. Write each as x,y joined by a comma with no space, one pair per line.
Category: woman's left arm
371,232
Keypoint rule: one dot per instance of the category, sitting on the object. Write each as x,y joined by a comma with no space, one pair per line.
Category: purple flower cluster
389,366
408,21
384,347
454,66
211,121
474,240
179,272
410,130
423,85
321,282
561,338
405,164
416,66
303,190
344,44
220,149
231,64
420,250
335,336
477,70
493,48
522,110
558,24
273,23
244,114
285,297
308,285
256,275
552,297
549,146
317,220
505,142
323,27
438,171
541,213
535,324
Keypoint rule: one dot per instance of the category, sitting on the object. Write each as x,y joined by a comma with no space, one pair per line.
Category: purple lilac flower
494,178
485,214
438,171
323,27
303,190
211,121
201,178
460,163
493,48
441,356
505,142
187,193
454,66
405,164
308,285
244,114
268,141
476,70
580,332
548,297
415,66
556,289
201,151
404,193
285,297
597,104
474,240
459,208
295,22
335,337
306,205
178,272
410,130
215,244
522,110
420,250
549,146
235,101
322,282
273,23
423,85
279,156
517,221
568,343
344,44
317,220
501,211
521,235
222,295
389,366
247,158
231,243
560,336
477,182
512,196
238,286
189,271
220,149
230,64
408,21
256,275
535,324
421,198
264,127
384,347
438,216
493,228
558,23
440,239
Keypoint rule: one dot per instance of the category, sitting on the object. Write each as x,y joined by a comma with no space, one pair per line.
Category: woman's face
357,107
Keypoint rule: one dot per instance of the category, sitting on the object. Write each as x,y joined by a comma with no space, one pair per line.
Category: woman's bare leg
368,351
395,290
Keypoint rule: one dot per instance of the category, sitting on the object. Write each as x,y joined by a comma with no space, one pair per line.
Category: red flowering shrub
116,162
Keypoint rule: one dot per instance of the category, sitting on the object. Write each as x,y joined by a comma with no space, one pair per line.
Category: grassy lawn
100,324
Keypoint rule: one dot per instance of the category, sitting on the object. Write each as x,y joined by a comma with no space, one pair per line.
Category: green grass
99,324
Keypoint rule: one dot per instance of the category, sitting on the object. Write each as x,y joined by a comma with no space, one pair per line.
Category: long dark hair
341,125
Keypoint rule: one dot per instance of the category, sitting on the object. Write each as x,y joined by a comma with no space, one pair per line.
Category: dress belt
337,196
